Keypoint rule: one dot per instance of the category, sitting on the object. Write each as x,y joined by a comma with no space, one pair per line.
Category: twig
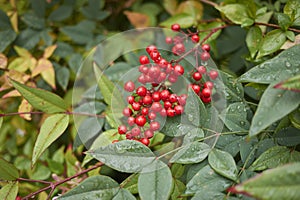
276,26
209,3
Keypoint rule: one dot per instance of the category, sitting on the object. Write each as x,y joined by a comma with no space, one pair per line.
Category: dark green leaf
272,42
125,156
207,179
235,118
193,135
6,38
94,187
175,127
9,191
183,19
289,136
292,83
61,13
92,11
155,181
274,105
209,195
8,171
230,143
274,157
275,184
131,183
33,21
178,189
191,153
253,40
281,67
41,99
117,71
28,38
247,151
211,25
124,194
223,163
62,77
177,170
295,118
39,7
4,21
53,127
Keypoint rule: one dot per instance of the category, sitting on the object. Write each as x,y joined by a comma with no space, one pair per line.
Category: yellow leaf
193,8
22,64
3,61
49,51
49,77
14,20
25,107
138,20
22,52
13,93
42,65
16,75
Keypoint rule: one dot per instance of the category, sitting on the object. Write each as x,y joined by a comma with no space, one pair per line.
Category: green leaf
253,40
191,7
61,13
209,26
291,8
295,118
208,195
9,191
208,180
155,181
1,118
41,99
131,183
8,171
237,13
178,189
275,184
183,19
6,38
105,138
282,66
170,6
292,84
191,153
290,35
272,42
289,136
124,194
94,187
235,117
125,156
223,163
33,21
274,157
62,77
274,105
284,20
230,143
51,129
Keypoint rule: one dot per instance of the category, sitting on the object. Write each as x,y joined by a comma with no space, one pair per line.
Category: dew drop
259,123
190,117
242,123
288,64
82,187
261,66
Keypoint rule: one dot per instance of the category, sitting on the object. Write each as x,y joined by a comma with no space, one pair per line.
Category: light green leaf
209,26
126,156
275,184
237,13
223,163
131,183
124,194
292,84
155,181
183,19
271,42
253,40
207,179
274,105
9,191
8,171
274,157
105,138
284,20
191,153
178,189
170,6
51,129
191,7
282,66
94,187
208,195
41,99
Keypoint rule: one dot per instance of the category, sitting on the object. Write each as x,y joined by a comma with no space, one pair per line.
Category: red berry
148,134
206,92
140,120
127,112
145,141
197,76
175,27
154,72
167,104
147,100
208,84
201,69
206,47
206,100
169,40
143,69
130,99
18,198
205,56
156,107
163,63
173,98
178,49
154,126
156,96
213,74
196,88
163,112
145,111
178,69
155,55
162,76
141,91
142,79
136,106
144,60
122,129
135,131
131,121
129,86
150,48
129,136
178,109
170,112
164,95
152,116
182,99
195,38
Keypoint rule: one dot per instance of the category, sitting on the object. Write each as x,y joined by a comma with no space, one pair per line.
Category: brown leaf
138,20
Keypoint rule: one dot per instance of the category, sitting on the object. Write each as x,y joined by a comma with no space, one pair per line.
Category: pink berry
213,74
129,86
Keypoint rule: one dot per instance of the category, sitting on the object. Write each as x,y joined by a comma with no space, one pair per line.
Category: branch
276,26
53,186
209,3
